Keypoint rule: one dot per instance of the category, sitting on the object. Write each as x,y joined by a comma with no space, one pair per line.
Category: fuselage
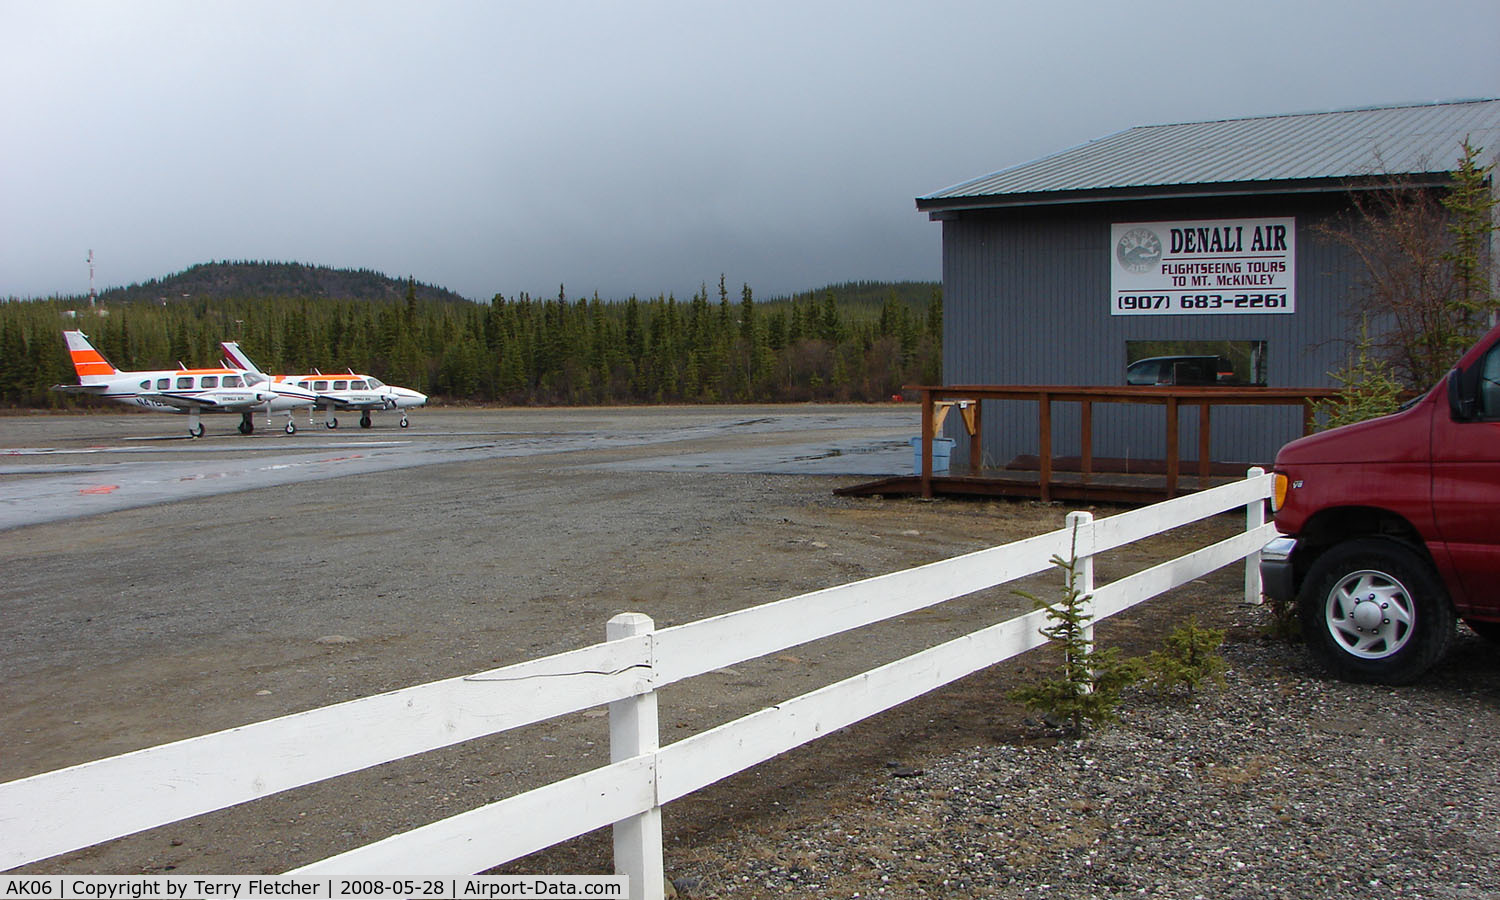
178,390
353,391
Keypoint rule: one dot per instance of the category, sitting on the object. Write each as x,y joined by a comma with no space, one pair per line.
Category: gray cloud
620,147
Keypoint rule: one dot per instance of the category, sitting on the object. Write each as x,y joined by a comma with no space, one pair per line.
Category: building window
1196,363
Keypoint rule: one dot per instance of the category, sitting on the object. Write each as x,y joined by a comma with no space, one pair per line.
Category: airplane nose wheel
364,421
291,427
404,423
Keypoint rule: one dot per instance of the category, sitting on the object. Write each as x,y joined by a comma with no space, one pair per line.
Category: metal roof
1311,151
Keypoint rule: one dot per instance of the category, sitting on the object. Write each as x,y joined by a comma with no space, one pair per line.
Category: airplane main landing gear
332,422
247,423
195,430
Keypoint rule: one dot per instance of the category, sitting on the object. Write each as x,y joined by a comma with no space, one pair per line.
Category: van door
1466,491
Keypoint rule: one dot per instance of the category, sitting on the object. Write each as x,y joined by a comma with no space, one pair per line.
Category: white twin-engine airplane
191,391
339,392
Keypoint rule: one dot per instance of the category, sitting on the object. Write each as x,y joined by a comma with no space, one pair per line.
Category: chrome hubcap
1370,614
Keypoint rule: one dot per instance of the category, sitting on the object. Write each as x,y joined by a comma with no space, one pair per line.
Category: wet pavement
55,468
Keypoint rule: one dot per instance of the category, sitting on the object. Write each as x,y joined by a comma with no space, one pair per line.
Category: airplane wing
95,389
346,403
190,401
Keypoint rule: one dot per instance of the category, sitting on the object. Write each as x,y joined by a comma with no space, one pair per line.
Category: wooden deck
1065,483
1083,478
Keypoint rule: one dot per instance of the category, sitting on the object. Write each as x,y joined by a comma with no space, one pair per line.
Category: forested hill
852,341
222,280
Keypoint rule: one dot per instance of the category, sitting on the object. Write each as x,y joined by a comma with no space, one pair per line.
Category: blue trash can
942,448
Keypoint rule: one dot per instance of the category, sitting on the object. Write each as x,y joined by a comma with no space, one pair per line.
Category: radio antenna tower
93,295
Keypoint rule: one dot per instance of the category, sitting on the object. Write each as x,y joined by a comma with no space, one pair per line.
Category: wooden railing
937,400
56,812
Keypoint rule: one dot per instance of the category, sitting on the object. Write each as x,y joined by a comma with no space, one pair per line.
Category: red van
1392,528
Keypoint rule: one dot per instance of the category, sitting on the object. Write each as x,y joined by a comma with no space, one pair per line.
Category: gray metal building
1057,270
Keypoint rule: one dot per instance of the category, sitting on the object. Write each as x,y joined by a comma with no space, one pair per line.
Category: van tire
1373,610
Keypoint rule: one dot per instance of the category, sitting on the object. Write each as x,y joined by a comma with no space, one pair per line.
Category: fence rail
71,808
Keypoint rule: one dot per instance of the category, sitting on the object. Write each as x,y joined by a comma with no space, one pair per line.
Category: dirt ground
143,626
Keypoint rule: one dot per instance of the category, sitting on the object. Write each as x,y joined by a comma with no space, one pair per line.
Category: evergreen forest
858,341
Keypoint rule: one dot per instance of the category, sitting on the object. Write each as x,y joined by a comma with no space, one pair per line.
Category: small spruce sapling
1090,681
1368,389
1187,659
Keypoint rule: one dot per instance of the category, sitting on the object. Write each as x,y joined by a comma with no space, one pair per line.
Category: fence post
633,731
1255,516
1081,526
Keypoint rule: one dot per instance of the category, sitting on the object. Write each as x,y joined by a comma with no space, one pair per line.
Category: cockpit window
375,382
251,379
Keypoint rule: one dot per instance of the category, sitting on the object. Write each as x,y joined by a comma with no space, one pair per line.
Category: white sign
1206,266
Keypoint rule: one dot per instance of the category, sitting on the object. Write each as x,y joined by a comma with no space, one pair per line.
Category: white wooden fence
76,807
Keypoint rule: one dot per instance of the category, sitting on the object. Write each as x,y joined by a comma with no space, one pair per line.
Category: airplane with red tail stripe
184,390
351,392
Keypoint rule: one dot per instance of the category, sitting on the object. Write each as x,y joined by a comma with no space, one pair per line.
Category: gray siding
1027,301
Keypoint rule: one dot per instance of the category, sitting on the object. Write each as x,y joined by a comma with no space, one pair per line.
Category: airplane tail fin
237,357
88,362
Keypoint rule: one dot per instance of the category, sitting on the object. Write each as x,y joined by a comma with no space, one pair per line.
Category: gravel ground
1279,784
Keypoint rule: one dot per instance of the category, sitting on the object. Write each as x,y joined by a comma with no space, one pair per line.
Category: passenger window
1196,363
232,381
1144,372
185,383
210,381
341,385
320,385
1489,384
163,383
146,385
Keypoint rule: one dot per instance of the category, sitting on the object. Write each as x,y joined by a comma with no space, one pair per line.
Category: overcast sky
622,147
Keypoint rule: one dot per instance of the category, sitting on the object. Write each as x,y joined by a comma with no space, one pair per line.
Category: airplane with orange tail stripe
351,392
190,391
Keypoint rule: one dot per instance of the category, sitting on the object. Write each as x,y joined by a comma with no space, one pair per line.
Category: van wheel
1373,610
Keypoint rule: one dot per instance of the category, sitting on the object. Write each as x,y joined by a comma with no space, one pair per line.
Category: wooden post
1086,437
1044,431
976,450
633,731
1205,418
1255,516
1172,450
927,422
